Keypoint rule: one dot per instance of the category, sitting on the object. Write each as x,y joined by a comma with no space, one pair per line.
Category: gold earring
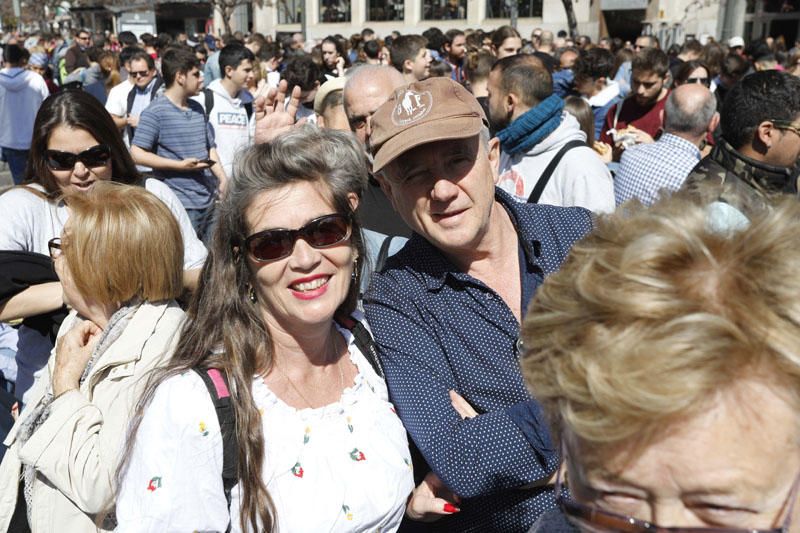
251,294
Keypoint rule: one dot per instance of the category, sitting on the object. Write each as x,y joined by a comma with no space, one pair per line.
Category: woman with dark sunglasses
693,72
75,145
666,353
319,445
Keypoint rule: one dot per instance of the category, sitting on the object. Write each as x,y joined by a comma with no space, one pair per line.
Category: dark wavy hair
76,109
241,345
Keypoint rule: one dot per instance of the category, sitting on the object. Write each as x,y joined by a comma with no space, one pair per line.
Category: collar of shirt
679,143
435,267
148,88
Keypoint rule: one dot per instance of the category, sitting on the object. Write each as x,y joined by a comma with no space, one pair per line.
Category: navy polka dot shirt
439,329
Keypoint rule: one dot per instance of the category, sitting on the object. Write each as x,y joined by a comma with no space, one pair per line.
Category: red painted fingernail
450,508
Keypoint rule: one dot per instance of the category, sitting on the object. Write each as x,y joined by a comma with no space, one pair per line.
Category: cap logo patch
413,106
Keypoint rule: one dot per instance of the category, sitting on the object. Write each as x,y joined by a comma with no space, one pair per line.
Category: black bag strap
364,342
551,167
209,101
217,384
248,106
383,253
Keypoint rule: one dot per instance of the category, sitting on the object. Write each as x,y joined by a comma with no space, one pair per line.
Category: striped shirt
174,133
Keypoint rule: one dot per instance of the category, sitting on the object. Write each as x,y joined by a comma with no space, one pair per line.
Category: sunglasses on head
274,244
96,156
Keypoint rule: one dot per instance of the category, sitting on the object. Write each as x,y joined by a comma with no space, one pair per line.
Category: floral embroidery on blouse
350,424
297,470
203,429
346,511
307,435
357,455
155,483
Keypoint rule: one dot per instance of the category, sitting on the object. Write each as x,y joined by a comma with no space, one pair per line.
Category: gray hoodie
21,94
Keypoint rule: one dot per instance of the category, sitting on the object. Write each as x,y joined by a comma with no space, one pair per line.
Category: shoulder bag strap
217,384
538,189
364,342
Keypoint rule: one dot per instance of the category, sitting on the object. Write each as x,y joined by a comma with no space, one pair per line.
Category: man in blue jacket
446,309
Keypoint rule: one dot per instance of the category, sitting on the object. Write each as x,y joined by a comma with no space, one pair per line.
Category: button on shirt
438,330
645,169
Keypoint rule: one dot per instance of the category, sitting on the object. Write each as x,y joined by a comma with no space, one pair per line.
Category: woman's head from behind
667,356
120,243
73,123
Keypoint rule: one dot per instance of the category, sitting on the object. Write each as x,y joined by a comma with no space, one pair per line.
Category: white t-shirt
117,103
342,467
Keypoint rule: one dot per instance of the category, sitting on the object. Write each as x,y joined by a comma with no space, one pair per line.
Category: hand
431,500
340,66
642,137
15,411
73,351
603,150
191,163
133,122
271,117
462,406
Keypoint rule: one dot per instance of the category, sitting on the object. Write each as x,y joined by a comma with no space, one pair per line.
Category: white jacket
21,94
580,179
77,449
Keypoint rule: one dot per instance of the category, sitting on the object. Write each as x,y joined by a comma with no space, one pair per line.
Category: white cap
734,42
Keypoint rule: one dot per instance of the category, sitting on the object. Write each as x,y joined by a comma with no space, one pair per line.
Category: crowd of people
457,281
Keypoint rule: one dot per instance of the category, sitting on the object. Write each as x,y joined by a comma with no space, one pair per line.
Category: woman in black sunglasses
666,353
75,145
693,72
319,445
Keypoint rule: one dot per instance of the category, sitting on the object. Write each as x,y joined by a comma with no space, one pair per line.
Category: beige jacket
76,450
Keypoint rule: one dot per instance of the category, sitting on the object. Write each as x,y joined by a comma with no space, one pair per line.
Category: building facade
328,17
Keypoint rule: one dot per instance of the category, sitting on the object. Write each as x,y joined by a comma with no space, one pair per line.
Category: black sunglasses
96,156
138,73
704,81
274,244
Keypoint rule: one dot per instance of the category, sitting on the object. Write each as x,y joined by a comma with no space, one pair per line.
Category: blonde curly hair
655,313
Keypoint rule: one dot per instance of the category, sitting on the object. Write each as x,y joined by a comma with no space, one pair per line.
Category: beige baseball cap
436,109
333,84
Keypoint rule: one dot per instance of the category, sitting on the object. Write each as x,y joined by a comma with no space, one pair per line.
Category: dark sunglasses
96,156
54,247
274,244
704,81
138,73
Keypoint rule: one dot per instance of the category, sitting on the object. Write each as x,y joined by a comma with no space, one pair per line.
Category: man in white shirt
117,101
229,105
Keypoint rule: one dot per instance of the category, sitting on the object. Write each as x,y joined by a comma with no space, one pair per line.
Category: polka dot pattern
439,329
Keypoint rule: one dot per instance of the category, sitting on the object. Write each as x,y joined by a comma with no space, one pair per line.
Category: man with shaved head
368,87
645,169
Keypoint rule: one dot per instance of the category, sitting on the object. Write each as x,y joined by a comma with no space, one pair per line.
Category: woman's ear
353,199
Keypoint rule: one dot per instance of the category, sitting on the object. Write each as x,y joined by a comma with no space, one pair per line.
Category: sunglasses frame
291,236
84,157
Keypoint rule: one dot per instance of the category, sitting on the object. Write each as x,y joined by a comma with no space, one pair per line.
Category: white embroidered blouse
342,467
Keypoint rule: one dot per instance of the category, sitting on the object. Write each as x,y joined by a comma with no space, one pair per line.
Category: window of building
290,11
444,9
386,10
334,10
498,9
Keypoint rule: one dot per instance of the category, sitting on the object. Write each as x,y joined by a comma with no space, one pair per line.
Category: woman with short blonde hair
120,263
667,354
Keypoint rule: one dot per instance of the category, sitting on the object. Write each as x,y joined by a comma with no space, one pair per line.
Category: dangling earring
251,294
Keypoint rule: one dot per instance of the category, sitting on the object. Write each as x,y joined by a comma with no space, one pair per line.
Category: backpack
216,383
209,104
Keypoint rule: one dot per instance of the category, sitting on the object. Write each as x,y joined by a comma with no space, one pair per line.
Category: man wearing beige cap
446,309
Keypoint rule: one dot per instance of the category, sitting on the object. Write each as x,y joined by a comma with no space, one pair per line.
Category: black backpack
217,384
208,94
